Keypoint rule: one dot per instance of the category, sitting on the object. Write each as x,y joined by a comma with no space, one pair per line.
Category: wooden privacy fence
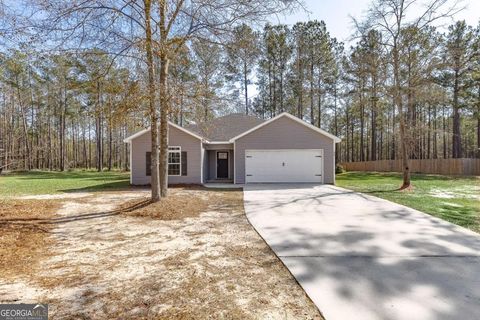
464,167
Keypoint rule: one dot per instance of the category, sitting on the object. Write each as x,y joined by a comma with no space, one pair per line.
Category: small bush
339,169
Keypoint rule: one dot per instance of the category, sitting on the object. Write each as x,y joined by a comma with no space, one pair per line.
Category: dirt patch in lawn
24,239
112,258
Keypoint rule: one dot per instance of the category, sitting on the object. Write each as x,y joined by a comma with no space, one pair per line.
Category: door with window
222,165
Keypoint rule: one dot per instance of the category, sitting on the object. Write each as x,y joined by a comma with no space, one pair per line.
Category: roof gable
232,127
292,117
226,127
142,132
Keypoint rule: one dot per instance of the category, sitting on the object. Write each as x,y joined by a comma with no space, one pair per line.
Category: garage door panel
284,166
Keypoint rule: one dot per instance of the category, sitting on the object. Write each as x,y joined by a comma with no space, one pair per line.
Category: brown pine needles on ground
24,234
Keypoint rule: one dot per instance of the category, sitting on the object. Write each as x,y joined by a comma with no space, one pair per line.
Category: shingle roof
226,127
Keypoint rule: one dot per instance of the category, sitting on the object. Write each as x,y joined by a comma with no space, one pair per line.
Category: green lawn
455,199
47,182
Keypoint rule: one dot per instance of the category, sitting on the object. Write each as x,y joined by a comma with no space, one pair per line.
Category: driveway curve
361,257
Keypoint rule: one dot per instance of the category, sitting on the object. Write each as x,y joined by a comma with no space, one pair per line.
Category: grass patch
49,182
24,242
454,199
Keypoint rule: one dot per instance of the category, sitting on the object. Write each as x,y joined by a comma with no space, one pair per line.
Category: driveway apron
361,257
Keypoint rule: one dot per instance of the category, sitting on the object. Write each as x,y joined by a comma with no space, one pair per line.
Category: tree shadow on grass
32,222
109,186
126,186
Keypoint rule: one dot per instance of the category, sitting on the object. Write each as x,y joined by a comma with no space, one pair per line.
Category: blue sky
336,14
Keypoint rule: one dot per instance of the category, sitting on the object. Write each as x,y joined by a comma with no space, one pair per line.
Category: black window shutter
184,163
148,163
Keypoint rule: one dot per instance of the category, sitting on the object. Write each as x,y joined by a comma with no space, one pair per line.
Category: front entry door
222,165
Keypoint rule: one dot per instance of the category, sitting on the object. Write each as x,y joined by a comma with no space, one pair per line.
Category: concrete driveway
361,257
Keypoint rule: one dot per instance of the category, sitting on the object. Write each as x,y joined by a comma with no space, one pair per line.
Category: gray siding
230,164
223,146
205,165
285,133
212,164
141,145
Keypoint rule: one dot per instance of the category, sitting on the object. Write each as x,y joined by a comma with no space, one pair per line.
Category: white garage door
284,166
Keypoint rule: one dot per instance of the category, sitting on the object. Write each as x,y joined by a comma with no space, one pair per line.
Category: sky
336,14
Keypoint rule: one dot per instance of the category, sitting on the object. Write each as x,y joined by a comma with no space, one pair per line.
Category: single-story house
240,149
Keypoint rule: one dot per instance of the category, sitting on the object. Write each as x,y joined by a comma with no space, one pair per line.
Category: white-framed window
174,161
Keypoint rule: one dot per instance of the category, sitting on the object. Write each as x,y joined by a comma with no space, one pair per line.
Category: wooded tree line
73,108
305,71
61,112
66,111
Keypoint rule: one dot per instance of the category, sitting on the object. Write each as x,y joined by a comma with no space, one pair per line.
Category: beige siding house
240,149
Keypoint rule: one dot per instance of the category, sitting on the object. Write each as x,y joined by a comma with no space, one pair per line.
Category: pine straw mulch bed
24,239
184,202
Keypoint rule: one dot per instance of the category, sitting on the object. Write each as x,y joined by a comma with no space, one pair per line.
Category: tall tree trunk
99,142
435,144
392,145
155,177
99,128
89,146
478,122
401,117
63,122
429,133
478,133
319,102
84,138
312,94
49,144
110,146
245,84
457,138
163,89
373,144
126,161
335,120
282,108
110,135
274,92
26,154
444,123
347,127
270,91
299,82
362,127
352,146
164,99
